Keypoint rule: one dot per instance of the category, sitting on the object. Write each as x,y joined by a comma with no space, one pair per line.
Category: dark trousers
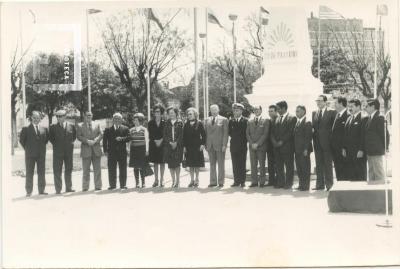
284,168
323,161
58,162
239,166
30,168
271,167
303,166
112,170
340,165
356,169
136,172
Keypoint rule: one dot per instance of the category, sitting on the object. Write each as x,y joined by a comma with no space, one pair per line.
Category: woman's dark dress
193,137
156,132
173,156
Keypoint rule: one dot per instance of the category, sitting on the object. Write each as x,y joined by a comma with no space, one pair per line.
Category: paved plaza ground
186,227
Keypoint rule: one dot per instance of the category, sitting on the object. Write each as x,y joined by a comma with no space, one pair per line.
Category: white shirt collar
115,127
373,114
238,119
173,122
257,117
301,119
356,114
284,115
341,112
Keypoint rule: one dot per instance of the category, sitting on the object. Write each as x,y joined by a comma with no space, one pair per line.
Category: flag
152,16
93,11
327,13
381,10
264,11
213,19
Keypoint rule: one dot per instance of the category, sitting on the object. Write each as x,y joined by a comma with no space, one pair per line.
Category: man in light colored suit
90,134
216,128
257,136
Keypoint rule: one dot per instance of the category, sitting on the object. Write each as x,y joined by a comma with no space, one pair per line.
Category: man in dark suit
337,141
322,122
354,145
273,115
257,136
238,145
303,148
375,141
114,146
33,139
62,135
283,141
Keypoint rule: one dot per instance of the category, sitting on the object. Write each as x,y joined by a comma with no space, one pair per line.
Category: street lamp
202,37
233,18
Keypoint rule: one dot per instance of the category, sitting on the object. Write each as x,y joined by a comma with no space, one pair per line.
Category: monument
287,63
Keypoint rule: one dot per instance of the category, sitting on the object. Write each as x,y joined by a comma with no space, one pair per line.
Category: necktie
298,123
213,121
319,116
256,121
37,130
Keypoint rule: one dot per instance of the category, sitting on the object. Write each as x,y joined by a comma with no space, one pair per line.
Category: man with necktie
257,136
354,145
33,139
114,146
375,142
303,148
322,122
238,145
337,141
273,115
283,141
90,134
62,136
216,127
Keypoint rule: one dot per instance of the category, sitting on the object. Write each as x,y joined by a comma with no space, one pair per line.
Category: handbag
147,171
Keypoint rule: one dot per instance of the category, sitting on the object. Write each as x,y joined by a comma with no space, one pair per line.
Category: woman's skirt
137,157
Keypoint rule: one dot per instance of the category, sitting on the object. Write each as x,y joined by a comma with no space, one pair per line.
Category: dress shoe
155,184
137,186
243,185
161,185
98,189
43,193
196,184
124,188
28,194
143,186
212,185
70,190
221,185
58,192
85,190
287,187
269,185
318,189
111,188
235,185
252,185
191,185
262,185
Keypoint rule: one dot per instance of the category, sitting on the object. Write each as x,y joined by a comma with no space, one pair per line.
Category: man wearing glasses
62,136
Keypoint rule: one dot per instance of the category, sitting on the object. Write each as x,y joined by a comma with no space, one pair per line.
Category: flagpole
196,76
148,67
88,62
319,42
23,72
233,17
206,66
203,77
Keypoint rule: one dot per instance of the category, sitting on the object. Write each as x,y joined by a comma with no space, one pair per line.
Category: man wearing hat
62,136
114,146
238,145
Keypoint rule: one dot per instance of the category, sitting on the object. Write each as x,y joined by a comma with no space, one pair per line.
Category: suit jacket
62,139
375,135
258,133
323,129
354,139
217,134
113,147
270,145
33,144
84,133
237,132
303,136
338,130
283,131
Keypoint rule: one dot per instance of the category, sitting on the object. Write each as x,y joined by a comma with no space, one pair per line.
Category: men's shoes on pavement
252,185
43,193
97,189
235,185
318,189
221,185
212,185
70,190
28,194
111,188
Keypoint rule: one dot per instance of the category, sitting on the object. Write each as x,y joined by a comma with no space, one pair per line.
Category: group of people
340,136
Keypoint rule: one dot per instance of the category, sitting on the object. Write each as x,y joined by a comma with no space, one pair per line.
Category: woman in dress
194,140
156,131
139,148
173,144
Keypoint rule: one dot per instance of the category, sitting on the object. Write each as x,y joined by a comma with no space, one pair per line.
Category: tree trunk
14,133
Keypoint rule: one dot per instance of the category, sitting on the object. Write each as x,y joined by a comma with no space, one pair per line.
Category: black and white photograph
200,134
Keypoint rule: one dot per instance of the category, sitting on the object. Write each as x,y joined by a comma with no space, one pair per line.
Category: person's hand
305,153
90,142
254,146
202,147
158,142
118,138
223,149
280,143
184,150
147,153
360,154
173,144
344,153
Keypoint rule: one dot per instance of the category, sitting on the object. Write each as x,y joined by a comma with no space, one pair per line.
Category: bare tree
135,48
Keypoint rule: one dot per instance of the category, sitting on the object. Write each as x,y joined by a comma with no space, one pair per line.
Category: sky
34,17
